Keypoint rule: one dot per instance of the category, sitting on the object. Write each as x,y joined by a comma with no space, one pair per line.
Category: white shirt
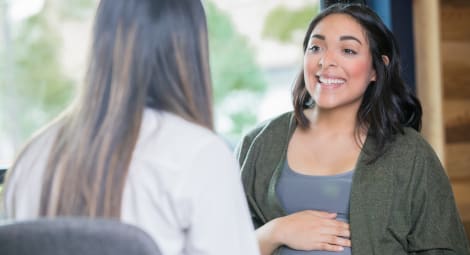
183,188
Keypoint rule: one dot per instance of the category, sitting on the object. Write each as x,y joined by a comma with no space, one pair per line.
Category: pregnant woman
347,171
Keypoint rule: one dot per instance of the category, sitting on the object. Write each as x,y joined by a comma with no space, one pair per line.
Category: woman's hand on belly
313,230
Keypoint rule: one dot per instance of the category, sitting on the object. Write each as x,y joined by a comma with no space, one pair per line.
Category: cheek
310,63
361,70
310,69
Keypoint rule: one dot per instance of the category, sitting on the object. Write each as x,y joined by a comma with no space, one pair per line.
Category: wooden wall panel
454,26
458,163
455,52
456,68
426,18
456,110
457,121
461,191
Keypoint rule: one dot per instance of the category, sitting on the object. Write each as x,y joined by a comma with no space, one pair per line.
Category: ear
373,76
385,60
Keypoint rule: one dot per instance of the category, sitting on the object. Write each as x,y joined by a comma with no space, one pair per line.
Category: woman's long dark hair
145,53
388,104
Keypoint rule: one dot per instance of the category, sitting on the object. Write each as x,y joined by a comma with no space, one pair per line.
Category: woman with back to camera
138,144
347,171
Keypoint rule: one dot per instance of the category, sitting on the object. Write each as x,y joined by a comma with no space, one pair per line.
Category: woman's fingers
335,240
314,230
339,228
327,215
331,243
336,228
329,247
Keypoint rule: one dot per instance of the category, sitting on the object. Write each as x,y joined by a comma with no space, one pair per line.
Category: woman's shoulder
412,140
410,153
278,125
38,146
26,171
156,123
177,153
270,132
175,139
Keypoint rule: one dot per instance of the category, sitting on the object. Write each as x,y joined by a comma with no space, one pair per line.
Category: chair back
75,236
3,172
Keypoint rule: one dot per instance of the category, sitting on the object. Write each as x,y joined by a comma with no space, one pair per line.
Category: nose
326,59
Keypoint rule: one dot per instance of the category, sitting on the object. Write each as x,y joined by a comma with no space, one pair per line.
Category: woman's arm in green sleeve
436,227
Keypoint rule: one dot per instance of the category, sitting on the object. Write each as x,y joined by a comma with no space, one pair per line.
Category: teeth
331,81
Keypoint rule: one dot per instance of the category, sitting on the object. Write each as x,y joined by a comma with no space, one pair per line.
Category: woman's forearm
268,237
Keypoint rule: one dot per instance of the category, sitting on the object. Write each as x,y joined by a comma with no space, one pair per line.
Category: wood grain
458,162
455,21
462,198
457,121
456,69
427,39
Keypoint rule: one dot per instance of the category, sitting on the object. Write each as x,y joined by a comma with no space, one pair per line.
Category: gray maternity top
299,192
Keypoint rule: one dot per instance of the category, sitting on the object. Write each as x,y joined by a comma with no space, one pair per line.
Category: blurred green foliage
40,89
77,9
232,60
234,73
282,23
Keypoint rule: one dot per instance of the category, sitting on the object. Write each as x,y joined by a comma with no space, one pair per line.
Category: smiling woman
347,171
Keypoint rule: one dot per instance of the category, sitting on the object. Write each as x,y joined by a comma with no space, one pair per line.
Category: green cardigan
402,203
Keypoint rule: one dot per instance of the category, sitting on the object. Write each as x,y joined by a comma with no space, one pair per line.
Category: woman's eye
350,52
314,48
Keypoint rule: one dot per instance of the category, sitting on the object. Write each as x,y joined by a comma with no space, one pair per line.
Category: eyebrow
321,37
350,37
341,38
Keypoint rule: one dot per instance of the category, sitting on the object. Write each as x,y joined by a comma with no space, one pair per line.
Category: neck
339,121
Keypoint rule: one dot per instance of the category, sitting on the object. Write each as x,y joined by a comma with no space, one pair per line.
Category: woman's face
338,63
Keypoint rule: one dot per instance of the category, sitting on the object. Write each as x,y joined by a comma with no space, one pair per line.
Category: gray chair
74,236
3,172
